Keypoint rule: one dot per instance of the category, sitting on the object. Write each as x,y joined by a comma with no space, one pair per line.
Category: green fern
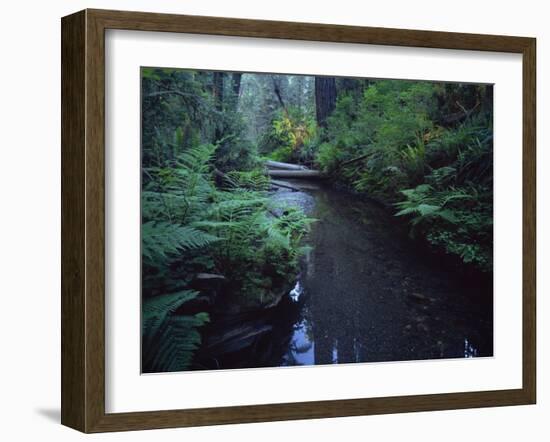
162,239
457,219
156,309
191,226
423,203
253,180
169,341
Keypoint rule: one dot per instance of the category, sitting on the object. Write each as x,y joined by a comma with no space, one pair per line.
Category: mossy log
305,173
286,166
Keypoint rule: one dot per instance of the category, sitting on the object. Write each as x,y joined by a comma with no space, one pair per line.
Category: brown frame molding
83,217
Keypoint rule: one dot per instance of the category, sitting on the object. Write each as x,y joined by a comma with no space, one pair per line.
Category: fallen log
294,173
278,183
285,166
208,276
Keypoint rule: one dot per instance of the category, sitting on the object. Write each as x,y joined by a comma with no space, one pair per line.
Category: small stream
366,293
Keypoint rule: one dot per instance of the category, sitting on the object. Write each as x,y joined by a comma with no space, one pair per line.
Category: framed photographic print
269,220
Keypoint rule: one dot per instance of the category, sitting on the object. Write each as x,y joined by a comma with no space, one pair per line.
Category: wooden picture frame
83,220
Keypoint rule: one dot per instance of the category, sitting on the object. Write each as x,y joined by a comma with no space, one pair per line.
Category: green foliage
289,136
457,219
424,204
258,250
386,126
174,193
234,227
169,340
234,150
462,194
162,239
205,206
455,210
173,101
260,105
252,180
424,147
179,111
393,136
189,225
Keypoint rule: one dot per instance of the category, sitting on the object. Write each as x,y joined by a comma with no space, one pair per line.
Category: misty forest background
422,149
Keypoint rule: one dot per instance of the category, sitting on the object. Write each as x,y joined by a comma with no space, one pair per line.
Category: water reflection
301,350
296,291
469,350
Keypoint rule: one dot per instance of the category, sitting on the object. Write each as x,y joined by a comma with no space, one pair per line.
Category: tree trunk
218,102
236,84
277,90
235,91
218,90
325,98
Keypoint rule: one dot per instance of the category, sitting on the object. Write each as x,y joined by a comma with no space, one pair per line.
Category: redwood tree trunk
236,84
218,90
325,98
236,90
218,101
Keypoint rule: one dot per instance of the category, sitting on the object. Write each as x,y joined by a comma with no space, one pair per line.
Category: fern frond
197,158
156,309
161,239
169,341
278,238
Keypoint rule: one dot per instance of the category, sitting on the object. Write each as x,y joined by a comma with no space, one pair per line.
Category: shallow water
365,293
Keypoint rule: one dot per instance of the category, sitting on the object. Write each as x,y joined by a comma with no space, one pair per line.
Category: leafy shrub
234,150
258,251
454,209
457,220
288,136
191,226
388,139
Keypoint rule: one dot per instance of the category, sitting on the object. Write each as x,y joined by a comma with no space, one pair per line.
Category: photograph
300,220
255,221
